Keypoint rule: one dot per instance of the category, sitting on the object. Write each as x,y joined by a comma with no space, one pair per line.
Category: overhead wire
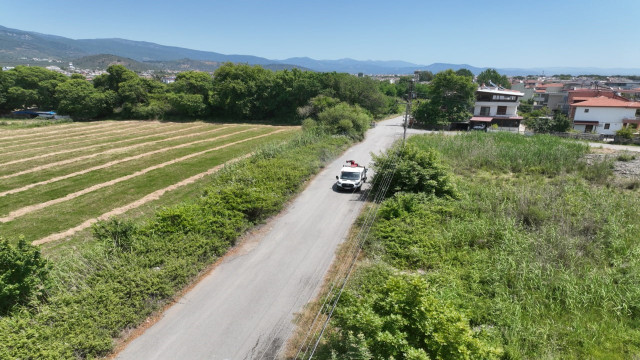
355,249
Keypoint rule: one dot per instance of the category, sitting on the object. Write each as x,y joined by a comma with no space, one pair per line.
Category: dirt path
114,162
111,151
41,156
102,137
148,198
29,209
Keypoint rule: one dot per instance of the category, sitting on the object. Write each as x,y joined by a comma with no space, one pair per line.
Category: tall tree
491,75
464,72
450,98
79,99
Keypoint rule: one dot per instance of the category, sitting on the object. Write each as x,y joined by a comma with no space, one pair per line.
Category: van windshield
347,175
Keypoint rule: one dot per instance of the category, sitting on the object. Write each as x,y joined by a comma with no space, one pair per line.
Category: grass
539,246
7,123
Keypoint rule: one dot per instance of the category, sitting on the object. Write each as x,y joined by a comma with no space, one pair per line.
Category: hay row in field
66,133
106,152
87,147
67,141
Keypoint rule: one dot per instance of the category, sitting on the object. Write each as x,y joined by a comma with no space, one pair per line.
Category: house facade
496,106
604,115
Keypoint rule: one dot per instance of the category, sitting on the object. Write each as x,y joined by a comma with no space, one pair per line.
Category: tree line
233,92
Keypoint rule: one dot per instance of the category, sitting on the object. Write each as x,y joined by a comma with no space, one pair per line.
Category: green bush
23,274
412,169
396,317
626,133
345,119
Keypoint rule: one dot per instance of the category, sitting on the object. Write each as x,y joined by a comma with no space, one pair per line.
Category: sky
488,33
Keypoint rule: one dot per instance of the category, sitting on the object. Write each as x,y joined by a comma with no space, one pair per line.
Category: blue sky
577,33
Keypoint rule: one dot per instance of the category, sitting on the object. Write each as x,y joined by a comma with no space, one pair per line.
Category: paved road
615,147
245,307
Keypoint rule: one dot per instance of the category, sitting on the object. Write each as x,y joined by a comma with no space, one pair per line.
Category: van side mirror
337,177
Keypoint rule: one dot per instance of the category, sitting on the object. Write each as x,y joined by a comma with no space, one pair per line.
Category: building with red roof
604,115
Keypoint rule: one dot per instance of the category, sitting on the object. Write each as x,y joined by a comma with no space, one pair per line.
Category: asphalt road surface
245,307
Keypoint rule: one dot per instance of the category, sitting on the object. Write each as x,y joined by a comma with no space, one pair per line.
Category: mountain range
22,47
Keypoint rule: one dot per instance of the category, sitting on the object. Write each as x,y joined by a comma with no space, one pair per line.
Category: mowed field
58,180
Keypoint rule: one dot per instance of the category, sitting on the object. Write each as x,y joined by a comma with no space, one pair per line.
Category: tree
464,72
425,75
450,98
79,99
491,75
7,80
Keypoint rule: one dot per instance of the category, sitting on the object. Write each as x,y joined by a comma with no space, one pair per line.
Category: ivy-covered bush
412,169
389,316
23,274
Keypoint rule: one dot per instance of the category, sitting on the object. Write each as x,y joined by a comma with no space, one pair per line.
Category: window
484,111
586,110
502,110
504,97
606,126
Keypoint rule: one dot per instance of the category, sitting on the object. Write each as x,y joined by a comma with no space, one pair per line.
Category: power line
377,197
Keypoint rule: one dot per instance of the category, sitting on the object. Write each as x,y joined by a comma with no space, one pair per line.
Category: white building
496,106
604,115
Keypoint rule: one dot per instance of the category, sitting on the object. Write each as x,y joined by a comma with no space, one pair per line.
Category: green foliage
626,133
425,75
80,100
542,264
397,317
119,233
464,72
102,288
542,121
23,275
507,153
345,119
412,169
491,75
236,91
450,98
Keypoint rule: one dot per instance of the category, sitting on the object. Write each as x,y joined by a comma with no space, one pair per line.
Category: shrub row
107,286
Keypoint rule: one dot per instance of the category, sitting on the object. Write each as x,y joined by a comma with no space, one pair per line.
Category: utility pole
407,111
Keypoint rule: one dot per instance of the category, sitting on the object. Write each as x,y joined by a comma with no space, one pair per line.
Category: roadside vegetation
535,257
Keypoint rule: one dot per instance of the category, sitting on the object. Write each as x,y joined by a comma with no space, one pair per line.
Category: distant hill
21,47
103,61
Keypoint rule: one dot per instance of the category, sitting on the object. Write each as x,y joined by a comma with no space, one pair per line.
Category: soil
626,163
